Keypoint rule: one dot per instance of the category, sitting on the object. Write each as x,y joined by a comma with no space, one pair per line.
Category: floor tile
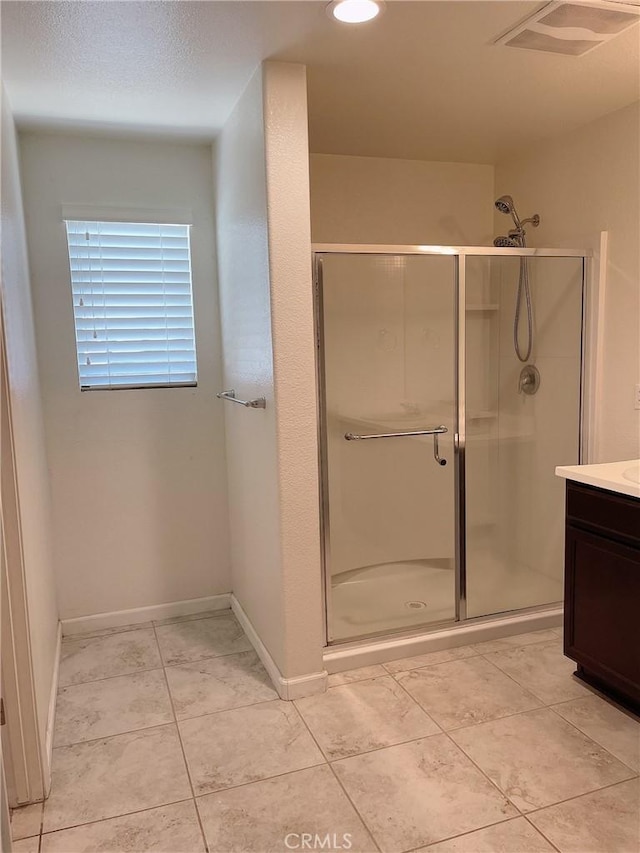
508,837
246,744
517,641
258,818
607,820
114,776
217,684
103,632
360,674
113,654
618,731
363,716
196,639
170,829
429,658
27,845
538,759
543,670
112,706
26,821
420,792
203,614
464,692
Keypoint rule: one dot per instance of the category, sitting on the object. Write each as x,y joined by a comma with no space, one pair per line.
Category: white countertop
621,477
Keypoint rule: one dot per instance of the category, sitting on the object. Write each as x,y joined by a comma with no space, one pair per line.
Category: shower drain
415,605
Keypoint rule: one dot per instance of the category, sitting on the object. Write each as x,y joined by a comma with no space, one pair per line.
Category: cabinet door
602,596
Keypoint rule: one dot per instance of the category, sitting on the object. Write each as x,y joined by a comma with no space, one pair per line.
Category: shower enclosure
438,450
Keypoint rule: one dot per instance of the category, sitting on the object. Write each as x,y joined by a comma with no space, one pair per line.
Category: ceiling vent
572,28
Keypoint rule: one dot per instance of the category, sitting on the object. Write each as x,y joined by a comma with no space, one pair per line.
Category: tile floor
170,738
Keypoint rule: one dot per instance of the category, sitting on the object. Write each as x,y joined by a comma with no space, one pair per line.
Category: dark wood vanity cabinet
602,590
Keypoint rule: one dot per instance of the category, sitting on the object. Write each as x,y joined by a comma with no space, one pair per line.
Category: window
132,304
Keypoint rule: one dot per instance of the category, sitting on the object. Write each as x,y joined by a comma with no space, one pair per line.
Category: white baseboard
119,618
288,688
51,716
341,658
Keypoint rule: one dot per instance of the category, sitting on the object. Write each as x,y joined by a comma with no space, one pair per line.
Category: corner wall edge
288,689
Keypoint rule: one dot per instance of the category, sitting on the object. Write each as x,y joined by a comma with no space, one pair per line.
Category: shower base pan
403,596
392,597
413,599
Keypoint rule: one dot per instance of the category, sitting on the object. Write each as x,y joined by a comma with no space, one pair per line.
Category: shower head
505,205
506,243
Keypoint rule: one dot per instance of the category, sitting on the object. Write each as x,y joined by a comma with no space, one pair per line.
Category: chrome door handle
435,432
436,452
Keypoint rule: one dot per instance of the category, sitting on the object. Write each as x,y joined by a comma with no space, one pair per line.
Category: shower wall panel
547,422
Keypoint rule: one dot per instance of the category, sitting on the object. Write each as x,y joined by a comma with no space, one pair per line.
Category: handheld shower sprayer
517,240
505,205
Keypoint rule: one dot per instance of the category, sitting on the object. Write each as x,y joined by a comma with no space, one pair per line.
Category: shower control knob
529,381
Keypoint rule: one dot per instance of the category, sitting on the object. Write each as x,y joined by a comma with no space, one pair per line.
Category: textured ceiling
423,81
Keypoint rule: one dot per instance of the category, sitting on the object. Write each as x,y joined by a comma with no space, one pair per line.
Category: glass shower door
387,356
517,430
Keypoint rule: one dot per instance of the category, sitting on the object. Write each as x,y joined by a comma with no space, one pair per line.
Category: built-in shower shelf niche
389,421
482,416
493,306
482,334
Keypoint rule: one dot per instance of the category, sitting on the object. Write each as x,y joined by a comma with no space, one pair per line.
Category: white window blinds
132,304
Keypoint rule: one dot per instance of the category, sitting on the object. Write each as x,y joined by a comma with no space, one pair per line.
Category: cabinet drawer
607,513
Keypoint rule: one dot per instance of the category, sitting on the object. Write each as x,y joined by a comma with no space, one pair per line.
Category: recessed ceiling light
354,11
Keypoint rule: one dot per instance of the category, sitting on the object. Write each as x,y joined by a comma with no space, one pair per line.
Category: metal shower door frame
460,254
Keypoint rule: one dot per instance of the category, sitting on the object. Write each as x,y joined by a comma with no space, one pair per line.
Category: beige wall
378,200
243,269
582,183
138,476
287,169
30,452
266,306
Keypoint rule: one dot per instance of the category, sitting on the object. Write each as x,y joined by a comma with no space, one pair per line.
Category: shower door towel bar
258,403
435,432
